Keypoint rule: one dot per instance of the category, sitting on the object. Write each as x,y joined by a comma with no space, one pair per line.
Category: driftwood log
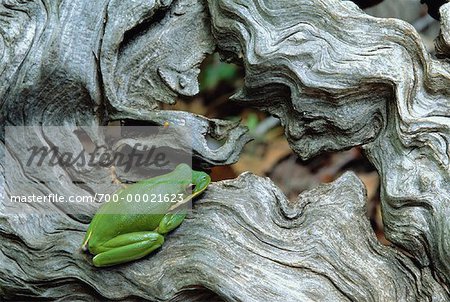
335,77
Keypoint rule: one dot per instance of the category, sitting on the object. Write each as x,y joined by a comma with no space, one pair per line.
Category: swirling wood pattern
336,78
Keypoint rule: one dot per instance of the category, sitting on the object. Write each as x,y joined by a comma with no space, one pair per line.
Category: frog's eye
202,182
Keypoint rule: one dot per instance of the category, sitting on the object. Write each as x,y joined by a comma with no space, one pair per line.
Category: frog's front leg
170,221
127,247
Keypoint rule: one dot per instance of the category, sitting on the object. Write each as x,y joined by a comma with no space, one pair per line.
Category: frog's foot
170,222
128,247
84,246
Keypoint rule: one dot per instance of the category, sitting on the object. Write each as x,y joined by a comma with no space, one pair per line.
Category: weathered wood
244,241
336,78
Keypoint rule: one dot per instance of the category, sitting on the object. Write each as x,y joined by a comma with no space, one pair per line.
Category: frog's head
198,179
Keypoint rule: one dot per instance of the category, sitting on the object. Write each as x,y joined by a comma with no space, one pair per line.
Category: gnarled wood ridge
336,78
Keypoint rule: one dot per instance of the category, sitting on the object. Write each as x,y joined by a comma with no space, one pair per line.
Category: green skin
115,237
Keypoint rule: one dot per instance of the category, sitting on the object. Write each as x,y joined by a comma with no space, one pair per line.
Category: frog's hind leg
128,247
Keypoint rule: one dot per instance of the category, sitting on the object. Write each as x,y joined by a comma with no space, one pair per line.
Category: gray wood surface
336,78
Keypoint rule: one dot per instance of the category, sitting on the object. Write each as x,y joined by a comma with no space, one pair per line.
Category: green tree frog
129,229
